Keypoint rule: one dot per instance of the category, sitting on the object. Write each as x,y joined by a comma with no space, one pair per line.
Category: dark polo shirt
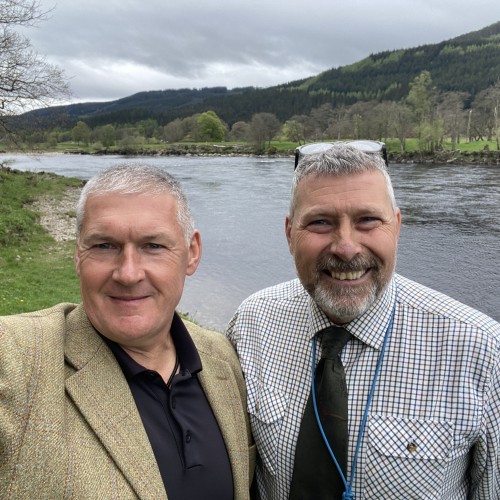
179,422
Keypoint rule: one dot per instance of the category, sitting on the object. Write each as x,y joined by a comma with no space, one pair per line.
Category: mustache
358,263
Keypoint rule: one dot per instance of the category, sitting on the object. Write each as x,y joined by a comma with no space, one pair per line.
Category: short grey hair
341,159
136,178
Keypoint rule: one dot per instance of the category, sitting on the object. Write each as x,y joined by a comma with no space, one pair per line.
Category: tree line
424,113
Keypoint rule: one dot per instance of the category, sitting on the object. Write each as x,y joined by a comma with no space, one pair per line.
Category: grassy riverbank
36,271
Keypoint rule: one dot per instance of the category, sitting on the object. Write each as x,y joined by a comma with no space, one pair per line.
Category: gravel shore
57,215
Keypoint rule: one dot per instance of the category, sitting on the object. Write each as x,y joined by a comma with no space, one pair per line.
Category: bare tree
263,127
401,121
483,121
339,127
27,81
451,110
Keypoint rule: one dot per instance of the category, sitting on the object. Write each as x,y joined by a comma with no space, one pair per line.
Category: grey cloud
255,42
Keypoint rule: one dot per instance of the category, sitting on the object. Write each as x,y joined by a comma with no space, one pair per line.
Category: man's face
343,237
132,259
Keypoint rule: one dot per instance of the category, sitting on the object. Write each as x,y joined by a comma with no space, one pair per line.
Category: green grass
36,276
35,270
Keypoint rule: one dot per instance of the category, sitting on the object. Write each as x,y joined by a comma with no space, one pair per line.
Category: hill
468,63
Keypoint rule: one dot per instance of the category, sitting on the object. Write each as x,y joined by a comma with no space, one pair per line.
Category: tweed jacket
69,426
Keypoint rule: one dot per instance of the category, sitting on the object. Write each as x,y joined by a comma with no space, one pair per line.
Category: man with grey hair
119,397
361,383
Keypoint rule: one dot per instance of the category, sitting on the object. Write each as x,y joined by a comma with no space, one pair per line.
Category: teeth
348,276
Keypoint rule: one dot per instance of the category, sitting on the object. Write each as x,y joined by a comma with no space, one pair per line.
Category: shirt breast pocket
266,407
406,458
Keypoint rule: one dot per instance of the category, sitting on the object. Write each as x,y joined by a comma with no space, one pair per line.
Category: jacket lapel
100,391
225,401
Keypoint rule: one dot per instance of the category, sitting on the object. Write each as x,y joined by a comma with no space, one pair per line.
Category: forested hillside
468,63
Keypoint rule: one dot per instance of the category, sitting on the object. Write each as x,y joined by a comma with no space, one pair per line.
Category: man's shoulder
20,323
286,300
441,306
288,291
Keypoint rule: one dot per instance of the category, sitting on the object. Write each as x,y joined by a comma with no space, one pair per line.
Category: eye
153,246
104,246
369,222
319,226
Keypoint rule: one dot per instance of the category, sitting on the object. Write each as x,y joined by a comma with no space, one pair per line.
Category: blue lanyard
348,494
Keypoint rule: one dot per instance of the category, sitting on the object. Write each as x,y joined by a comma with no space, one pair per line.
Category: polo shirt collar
187,353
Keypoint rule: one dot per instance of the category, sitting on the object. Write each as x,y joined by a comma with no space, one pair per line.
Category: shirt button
411,447
188,437
257,407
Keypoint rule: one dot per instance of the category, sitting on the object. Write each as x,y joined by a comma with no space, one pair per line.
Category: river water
450,238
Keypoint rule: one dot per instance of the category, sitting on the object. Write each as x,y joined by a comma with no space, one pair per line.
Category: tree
263,127
27,81
173,131
422,99
239,131
451,110
147,128
485,120
81,133
310,129
210,127
400,119
323,116
294,131
106,135
339,124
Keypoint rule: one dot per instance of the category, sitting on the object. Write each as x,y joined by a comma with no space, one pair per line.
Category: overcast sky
114,48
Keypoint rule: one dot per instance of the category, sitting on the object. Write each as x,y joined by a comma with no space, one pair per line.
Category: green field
35,270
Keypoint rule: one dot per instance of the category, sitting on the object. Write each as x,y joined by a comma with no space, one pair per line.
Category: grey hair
341,159
136,178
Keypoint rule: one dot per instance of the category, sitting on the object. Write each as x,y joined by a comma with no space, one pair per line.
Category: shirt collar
187,353
370,328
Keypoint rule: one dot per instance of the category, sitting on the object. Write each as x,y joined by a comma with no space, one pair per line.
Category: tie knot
333,340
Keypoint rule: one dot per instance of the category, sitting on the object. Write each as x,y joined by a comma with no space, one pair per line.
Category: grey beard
346,303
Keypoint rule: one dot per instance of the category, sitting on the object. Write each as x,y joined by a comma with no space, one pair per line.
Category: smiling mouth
347,276
128,299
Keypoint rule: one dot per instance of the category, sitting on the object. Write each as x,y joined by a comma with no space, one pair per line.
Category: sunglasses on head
319,147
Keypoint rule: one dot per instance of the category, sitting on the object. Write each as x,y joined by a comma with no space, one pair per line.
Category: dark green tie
315,475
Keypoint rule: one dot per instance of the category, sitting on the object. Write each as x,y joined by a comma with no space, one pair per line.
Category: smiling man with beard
408,405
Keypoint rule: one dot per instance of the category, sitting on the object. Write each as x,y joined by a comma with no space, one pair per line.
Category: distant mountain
468,63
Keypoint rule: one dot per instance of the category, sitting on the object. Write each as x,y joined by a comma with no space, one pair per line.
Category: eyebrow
321,212
107,237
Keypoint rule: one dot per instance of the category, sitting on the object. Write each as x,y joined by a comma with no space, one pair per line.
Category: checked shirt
433,429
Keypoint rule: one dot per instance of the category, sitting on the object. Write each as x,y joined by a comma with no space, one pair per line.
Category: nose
128,269
345,244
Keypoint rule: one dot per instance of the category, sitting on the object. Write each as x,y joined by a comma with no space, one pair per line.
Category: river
450,238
